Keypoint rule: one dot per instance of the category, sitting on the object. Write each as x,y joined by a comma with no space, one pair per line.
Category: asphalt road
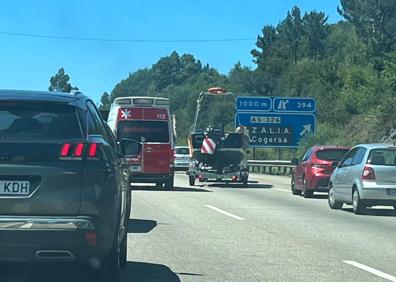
219,232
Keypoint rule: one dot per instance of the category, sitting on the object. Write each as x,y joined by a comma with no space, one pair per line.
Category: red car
313,172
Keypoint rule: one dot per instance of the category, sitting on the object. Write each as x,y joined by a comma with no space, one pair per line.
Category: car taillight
78,150
65,150
70,151
92,150
368,174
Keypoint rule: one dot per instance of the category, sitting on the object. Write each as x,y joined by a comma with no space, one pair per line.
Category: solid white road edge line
371,270
224,212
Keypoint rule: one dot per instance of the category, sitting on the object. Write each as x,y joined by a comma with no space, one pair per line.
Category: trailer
215,155
202,173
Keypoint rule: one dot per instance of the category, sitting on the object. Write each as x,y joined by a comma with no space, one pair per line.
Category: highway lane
218,232
280,237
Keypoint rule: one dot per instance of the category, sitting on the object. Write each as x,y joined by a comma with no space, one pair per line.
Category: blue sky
95,67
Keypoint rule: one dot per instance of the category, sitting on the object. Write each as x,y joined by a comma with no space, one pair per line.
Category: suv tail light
65,150
78,150
92,150
70,151
368,174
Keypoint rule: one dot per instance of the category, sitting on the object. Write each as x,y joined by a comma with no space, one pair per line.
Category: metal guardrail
271,167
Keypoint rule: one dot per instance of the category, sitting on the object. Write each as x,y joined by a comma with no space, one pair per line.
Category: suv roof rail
76,92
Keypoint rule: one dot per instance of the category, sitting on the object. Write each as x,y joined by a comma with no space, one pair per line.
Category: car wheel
191,180
245,181
307,193
358,206
293,187
169,183
333,203
109,269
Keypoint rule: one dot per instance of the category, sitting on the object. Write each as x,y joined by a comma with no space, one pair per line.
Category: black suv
64,192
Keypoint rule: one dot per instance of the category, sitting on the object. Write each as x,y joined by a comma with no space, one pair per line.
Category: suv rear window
182,151
33,120
331,154
382,157
147,131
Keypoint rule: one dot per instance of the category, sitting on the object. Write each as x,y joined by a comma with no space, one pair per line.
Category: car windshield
385,157
144,131
29,120
331,154
182,151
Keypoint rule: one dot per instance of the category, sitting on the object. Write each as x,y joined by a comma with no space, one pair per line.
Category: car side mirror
335,164
294,161
129,147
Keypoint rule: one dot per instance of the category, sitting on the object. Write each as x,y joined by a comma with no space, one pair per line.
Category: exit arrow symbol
307,129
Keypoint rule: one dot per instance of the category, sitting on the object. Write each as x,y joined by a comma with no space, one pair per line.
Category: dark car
313,171
64,193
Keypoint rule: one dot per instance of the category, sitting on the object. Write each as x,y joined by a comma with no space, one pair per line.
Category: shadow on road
189,274
19,272
145,272
134,271
232,185
141,225
375,212
318,197
175,189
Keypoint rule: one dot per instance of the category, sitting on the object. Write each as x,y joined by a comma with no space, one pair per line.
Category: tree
302,56
139,83
290,31
60,82
166,71
374,20
316,31
264,44
389,72
105,102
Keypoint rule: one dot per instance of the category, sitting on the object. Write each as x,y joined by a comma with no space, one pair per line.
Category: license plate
136,168
14,188
392,192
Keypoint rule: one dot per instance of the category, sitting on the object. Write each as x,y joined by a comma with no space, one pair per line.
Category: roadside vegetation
349,67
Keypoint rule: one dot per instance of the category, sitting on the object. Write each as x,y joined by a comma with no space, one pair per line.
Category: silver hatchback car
182,158
365,177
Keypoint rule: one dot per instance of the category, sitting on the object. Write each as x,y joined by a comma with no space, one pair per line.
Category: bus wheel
169,183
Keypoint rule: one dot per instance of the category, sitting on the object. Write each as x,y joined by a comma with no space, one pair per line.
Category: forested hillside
349,67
